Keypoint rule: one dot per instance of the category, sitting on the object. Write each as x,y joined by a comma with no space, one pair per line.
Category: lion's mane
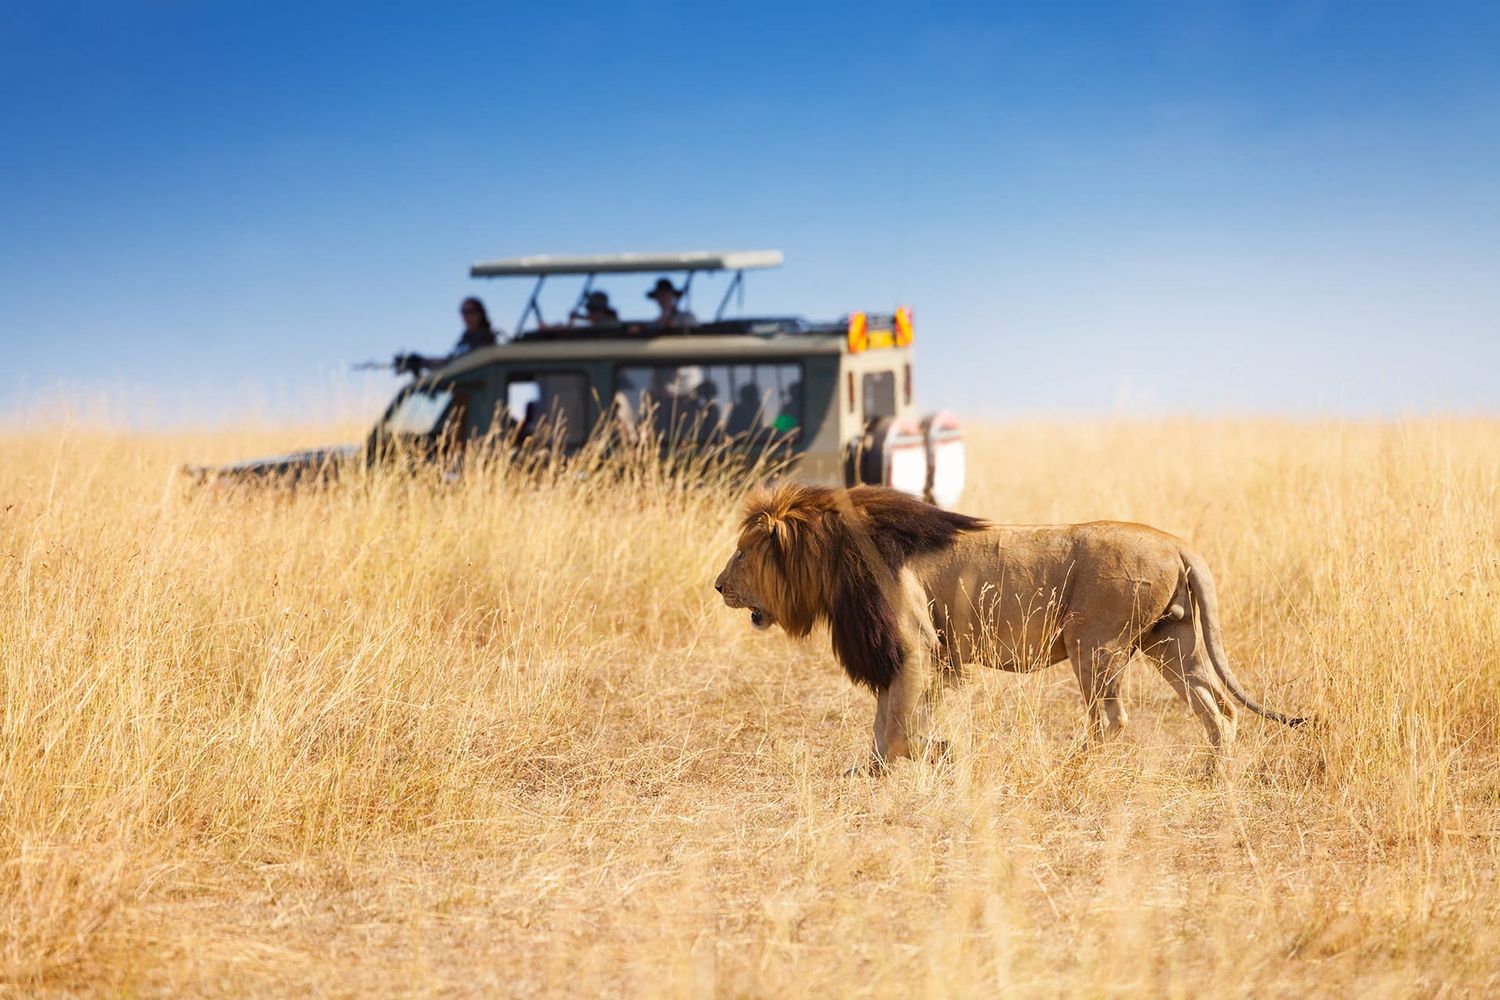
820,554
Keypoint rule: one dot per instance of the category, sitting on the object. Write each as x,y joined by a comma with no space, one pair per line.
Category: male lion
912,592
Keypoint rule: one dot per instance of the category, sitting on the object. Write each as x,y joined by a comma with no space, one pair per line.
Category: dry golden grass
488,738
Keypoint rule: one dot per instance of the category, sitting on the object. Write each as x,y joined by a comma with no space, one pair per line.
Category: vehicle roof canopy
628,263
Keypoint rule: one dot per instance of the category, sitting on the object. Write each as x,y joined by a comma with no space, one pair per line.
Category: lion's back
1022,564
1138,543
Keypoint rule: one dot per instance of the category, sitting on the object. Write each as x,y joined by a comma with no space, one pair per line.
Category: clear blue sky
1209,207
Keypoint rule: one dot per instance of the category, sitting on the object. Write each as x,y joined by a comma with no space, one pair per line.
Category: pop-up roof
541,266
628,263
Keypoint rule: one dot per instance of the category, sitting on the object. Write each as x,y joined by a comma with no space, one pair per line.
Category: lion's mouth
759,619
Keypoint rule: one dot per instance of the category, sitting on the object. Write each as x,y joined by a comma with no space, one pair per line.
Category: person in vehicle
790,417
531,419
744,416
706,417
478,332
668,298
596,311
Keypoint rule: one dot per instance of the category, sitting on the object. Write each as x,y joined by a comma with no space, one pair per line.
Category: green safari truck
836,396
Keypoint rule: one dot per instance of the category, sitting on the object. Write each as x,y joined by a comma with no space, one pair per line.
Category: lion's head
772,571
808,554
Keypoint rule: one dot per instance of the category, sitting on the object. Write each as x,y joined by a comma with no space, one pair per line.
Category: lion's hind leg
1099,663
1175,650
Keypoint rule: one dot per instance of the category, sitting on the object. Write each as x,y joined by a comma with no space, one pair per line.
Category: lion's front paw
874,767
937,751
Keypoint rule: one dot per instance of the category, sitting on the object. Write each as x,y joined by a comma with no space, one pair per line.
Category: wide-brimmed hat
663,285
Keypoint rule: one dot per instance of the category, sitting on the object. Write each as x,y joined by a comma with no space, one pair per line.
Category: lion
913,594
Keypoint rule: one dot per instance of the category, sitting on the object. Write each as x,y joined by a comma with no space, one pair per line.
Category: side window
880,394
765,398
788,395
708,402
523,400
549,403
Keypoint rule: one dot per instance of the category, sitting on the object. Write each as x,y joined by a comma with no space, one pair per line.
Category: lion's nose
719,586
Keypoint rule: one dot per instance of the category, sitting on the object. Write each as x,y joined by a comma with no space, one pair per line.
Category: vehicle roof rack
628,263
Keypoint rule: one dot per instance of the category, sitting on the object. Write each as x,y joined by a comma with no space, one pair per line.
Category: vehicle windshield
420,412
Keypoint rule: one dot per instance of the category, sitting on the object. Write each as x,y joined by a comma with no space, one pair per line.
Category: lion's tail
1201,587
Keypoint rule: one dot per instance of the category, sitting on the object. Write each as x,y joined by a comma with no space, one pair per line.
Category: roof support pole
531,306
737,284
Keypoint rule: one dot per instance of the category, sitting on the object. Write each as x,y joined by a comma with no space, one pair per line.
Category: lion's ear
777,530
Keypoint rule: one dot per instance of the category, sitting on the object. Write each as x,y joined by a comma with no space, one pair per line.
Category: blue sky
1093,208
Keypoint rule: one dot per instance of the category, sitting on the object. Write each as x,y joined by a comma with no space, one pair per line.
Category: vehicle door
546,407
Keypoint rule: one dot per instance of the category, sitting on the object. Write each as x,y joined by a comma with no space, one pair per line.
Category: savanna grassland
500,737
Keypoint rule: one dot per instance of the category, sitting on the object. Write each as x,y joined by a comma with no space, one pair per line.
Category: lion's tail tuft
1201,585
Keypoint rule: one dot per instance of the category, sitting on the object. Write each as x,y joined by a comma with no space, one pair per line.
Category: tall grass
498,736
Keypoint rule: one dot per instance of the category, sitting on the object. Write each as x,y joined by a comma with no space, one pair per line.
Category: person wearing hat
596,311
667,297
478,332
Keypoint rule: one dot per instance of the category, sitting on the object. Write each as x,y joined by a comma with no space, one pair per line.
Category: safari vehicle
837,396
